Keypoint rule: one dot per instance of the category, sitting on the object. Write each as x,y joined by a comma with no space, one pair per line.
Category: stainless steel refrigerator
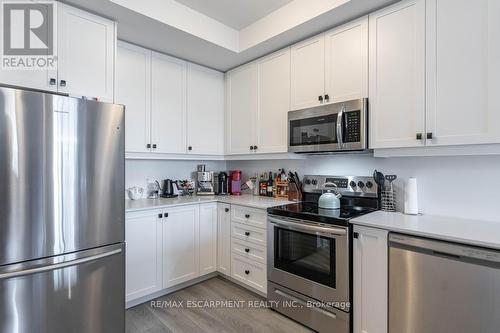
62,174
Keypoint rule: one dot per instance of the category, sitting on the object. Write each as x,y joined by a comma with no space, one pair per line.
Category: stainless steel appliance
62,214
309,252
437,286
168,189
205,183
329,128
221,182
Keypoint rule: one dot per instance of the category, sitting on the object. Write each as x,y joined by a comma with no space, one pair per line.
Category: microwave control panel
353,126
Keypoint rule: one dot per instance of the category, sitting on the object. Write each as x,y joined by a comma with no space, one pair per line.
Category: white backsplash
461,186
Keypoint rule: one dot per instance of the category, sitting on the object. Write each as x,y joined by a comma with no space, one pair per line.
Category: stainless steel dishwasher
441,287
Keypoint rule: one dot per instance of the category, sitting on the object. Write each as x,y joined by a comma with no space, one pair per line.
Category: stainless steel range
310,253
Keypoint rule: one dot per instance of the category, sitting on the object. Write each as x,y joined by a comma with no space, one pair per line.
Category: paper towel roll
411,197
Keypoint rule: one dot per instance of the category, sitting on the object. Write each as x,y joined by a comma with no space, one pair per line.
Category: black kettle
168,189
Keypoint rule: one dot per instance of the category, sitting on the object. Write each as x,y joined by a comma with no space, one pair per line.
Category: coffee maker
168,189
221,183
204,181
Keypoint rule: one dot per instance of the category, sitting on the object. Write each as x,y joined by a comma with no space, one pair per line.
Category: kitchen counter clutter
246,200
478,233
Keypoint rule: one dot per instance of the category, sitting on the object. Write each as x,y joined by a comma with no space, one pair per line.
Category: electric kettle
329,200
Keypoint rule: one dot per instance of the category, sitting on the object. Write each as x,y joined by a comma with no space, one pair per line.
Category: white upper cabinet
346,62
86,45
180,245
205,110
463,71
273,102
397,75
133,89
208,238
168,116
241,104
308,73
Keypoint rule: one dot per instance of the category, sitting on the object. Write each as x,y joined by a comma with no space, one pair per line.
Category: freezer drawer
78,293
442,287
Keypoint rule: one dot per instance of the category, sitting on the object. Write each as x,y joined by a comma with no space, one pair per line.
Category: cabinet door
143,269
133,89
168,116
274,102
224,239
205,110
346,62
241,92
208,238
180,245
463,71
29,78
307,72
370,264
86,53
397,75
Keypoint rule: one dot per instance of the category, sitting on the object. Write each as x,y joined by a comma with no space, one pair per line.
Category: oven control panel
345,185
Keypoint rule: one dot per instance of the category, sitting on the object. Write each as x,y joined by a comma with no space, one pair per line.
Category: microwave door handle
340,127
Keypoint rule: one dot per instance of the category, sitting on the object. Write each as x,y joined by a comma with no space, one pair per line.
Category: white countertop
247,200
480,233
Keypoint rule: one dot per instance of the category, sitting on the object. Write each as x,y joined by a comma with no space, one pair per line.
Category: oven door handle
297,226
340,127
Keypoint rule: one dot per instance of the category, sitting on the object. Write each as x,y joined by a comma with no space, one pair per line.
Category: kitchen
261,166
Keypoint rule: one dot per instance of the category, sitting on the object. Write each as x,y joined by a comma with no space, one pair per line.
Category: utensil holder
388,199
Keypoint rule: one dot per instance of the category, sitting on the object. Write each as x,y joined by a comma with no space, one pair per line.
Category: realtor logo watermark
28,35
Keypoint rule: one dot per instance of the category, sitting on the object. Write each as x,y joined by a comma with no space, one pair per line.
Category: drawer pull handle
247,272
247,216
247,233
227,210
247,250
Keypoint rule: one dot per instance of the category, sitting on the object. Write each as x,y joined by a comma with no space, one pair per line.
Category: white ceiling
236,14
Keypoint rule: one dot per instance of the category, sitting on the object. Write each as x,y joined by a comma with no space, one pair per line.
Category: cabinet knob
154,145
148,145
226,210
327,98
247,216
62,83
160,215
251,147
255,147
52,81
429,136
247,233
355,235
419,136
190,148
247,250
247,271
165,215
320,99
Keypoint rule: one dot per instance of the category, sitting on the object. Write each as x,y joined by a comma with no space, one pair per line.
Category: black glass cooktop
311,212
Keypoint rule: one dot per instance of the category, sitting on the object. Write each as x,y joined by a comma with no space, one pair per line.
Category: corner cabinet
85,50
208,238
397,75
370,280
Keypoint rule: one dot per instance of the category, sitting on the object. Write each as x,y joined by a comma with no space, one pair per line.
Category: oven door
310,258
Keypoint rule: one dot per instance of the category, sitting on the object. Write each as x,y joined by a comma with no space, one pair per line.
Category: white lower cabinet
180,245
249,272
208,238
370,264
224,238
143,255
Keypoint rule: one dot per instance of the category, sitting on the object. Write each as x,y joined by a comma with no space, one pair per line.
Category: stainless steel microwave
329,128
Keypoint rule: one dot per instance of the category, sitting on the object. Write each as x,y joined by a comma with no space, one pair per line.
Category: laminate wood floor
164,316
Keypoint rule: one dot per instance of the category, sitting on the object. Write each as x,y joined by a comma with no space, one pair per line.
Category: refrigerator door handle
52,267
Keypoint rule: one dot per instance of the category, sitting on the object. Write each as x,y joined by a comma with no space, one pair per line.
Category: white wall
137,171
462,186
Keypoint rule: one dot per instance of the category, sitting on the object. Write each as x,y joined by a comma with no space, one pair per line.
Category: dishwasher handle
442,248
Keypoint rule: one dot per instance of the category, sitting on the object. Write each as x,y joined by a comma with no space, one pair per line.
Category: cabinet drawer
249,216
249,250
249,272
248,233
